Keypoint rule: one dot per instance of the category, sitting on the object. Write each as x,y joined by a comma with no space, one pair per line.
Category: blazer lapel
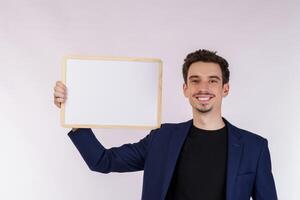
176,142
235,148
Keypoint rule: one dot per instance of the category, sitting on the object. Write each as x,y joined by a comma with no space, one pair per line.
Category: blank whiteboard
106,92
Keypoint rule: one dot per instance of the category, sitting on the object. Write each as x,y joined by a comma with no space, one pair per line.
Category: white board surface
112,92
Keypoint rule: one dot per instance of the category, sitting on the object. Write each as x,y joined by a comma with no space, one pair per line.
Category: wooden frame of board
109,58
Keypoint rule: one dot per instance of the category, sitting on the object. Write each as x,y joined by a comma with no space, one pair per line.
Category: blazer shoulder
251,137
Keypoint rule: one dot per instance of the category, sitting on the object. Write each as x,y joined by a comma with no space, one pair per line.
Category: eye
194,81
213,81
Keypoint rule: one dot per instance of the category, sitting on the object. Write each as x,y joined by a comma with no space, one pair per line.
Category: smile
204,99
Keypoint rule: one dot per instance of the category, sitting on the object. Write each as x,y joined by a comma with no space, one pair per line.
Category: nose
203,85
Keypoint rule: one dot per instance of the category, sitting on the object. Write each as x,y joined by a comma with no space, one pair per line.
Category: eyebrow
196,76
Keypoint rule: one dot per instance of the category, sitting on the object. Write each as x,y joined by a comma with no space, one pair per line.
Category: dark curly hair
205,56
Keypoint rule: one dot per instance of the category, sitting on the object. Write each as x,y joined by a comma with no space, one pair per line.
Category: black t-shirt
200,172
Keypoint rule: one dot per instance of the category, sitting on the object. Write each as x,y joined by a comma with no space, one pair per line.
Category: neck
207,121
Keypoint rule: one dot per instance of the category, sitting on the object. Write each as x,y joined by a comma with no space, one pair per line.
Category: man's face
204,87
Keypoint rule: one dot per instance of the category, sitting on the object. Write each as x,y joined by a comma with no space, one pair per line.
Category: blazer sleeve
264,187
126,158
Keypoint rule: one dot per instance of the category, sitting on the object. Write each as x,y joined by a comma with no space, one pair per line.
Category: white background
260,39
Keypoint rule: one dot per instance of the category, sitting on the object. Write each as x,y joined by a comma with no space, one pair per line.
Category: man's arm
126,158
264,187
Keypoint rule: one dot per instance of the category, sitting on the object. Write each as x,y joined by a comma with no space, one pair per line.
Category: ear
225,89
185,90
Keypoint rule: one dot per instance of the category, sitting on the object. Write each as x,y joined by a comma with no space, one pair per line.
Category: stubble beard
204,110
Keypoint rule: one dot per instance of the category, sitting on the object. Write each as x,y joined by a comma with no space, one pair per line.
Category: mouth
204,98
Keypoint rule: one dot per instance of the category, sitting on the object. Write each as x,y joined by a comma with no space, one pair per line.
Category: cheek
190,91
218,90
218,94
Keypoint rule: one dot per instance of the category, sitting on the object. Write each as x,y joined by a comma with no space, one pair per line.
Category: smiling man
204,158
201,167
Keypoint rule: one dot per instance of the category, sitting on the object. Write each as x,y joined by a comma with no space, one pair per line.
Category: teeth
203,98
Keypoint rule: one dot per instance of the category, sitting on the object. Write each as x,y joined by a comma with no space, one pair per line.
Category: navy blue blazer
249,172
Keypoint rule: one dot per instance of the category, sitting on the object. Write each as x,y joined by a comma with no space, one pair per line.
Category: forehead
204,69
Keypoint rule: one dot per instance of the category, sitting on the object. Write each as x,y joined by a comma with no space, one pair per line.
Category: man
204,158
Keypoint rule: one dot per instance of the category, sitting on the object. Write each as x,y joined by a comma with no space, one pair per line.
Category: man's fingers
59,94
60,100
58,104
60,89
59,83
